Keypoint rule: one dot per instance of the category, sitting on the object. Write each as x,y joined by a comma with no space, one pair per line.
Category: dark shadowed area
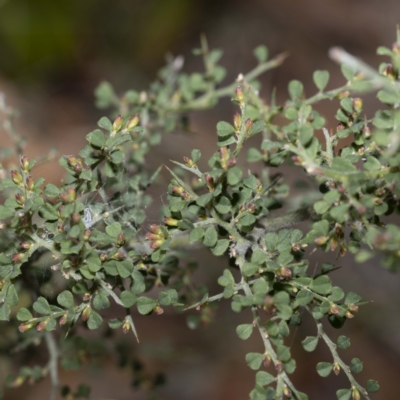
53,54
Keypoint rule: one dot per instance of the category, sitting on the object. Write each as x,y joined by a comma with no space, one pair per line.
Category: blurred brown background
52,56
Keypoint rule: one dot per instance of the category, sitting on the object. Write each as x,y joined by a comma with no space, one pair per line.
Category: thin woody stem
52,364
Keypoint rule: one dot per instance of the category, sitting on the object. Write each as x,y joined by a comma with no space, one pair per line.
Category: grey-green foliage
98,248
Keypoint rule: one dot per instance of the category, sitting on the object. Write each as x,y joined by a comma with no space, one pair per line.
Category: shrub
103,251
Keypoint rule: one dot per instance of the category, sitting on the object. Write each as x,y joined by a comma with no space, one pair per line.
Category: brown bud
357,104
41,326
63,320
121,239
103,257
334,309
343,94
16,177
353,308
72,161
18,381
279,366
348,314
287,392
156,229
171,221
224,154
158,310
267,360
321,240
188,162
340,127
237,121
25,326
251,208
86,296
152,236
30,183
285,272
157,243
87,234
231,162
132,123
126,326
68,196
119,256
336,368
118,121
25,163
366,131
240,96
248,125
355,394
20,199
389,72
17,257
76,218
86,313
209,182
177,189
25,245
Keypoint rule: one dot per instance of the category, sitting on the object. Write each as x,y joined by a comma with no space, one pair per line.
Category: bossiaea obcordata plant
89,239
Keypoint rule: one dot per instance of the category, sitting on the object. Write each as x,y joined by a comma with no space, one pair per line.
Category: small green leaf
310,343
264,378
196,234
115,323
254,155
283,353
343,394
226,279
261,53
94,321
372,386
96,138
321,285
254,360
220,248
224,129
105,123
100,301
65,299
244,331
295,89
167,298
249,269
23,315
41,306
195,155
343,342
324,369
5,212
356,365
128,298
234,176
145,305
352,298
321,207
114,229
304,297
210,237
51,190
321,79
248,220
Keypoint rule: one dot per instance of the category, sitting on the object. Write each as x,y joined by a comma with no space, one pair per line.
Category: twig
52,364
338,360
